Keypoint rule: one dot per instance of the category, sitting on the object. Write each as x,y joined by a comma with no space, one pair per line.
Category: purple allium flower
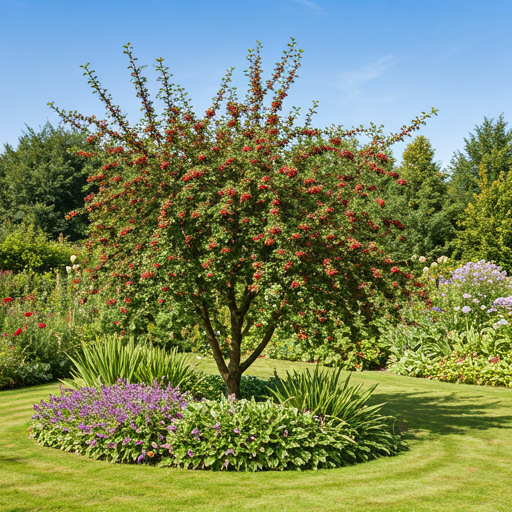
195,432
111,445
190,453
217,426
285,433
229,452
126,440
139,442
236,431
140,457
154,445
93,443
466,309
172,428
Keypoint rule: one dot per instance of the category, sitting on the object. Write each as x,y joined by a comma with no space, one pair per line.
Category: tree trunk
233,381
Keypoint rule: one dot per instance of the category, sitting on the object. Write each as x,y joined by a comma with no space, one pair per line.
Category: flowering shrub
472,292
196,212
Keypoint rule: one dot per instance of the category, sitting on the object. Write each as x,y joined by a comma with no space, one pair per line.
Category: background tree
488,148
240,220
428,213
41,181
487,222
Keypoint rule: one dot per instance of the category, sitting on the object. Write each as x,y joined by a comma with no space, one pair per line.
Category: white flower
442,259
72,258
422,259
75,267
198,357
456,308
68,269
426,269
434,264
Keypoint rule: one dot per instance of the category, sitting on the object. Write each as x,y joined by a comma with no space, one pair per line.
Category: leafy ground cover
460,438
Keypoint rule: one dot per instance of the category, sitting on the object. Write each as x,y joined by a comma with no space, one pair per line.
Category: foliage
24,246
465,355
135,422
108,359
488,149
208,215
427,211
251,436
16,369
486,226
42,180
324,394
42,318
213,387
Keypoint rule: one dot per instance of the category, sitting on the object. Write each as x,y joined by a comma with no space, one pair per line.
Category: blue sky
379,61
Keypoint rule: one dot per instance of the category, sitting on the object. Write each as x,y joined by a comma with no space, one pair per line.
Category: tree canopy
241,219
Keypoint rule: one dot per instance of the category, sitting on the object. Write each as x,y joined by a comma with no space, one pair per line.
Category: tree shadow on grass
447,413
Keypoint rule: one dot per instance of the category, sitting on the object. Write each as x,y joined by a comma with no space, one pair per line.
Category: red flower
165,289
381,202
201,157
42,326
295,284
245,197
123,310
394,283
257,276
28,314
17,332
269,241
395,270
246,148
161,301
210,274
128,301
258,325
7,299
401,182
116,322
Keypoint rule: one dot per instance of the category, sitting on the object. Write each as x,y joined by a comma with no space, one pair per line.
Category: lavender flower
229,452
236,431
466,309
190,453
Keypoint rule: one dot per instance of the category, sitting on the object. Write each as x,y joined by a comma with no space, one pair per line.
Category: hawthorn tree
240,219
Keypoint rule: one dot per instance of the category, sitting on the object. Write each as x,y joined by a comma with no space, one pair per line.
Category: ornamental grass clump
109,358
124,422
328,396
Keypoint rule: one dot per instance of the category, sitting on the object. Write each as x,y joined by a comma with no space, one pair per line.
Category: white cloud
311,5
351,81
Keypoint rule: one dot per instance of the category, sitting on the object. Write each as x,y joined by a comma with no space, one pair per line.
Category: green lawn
460,460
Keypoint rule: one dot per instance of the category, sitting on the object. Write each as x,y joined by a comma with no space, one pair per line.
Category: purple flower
466,296
466,309
111,445
139,442
229,452
236,431
217,426
190,453
140,458
195,432
126,440
285,433
438,310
